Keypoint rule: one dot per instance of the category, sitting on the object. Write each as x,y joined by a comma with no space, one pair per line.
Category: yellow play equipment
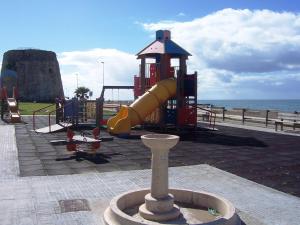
130,116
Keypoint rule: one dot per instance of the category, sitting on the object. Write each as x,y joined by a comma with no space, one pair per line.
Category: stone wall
35,72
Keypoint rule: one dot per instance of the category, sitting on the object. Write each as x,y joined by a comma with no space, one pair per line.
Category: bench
288,119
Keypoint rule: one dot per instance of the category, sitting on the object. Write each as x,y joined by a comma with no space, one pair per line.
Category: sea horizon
285,105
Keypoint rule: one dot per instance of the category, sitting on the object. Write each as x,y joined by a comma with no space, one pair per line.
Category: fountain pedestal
159,204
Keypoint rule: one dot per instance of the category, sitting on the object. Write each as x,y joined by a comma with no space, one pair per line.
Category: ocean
288,105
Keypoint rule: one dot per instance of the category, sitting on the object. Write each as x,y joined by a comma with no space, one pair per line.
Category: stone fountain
161,205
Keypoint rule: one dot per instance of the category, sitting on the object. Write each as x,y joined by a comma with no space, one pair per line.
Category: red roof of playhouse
163,45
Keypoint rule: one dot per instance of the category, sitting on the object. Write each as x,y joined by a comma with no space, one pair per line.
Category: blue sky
67,25
84,32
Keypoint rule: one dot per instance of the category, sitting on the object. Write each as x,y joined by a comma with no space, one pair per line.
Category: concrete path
9,164
253,126
82,198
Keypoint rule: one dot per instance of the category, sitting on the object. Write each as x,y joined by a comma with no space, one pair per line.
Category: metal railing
211,117
55,110
33,114
61,107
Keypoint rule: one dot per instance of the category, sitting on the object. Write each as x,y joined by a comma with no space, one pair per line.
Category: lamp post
102,74
77,79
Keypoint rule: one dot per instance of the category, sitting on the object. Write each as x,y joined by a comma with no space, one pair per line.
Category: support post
195,96
57,116
267,117
2,109
99,111
180,87
142,74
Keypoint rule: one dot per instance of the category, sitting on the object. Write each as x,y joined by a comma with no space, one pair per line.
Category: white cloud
237,53
232,48
223,84
119,69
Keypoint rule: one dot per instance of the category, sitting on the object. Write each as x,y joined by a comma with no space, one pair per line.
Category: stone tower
35,73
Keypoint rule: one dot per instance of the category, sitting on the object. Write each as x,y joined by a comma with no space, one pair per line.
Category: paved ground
82,198
266,158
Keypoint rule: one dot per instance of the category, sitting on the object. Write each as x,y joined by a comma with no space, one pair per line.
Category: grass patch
27,108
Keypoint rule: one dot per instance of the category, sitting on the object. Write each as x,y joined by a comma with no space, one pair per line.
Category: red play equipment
181,110
161,60
75,141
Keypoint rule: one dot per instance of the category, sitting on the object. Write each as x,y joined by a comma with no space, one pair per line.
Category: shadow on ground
217,138
97,158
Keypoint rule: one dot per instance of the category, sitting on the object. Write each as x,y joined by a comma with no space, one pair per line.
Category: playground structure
133,115
101,118
76,113
72,112
165,95
9,106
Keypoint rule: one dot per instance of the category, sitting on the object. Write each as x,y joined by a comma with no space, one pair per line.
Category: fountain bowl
194,207
159,141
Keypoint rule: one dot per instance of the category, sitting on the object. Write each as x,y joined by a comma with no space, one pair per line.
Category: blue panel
170,116
159,35
172,48
9,73
71,108
9,80
189,86
157,58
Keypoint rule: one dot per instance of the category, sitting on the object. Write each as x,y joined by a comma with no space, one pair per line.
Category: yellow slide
132,115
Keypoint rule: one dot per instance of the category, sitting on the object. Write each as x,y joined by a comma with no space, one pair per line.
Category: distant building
34,72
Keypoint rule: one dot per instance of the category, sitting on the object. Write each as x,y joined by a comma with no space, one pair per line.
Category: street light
77,79
102,74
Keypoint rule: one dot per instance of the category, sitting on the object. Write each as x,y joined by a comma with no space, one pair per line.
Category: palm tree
82,92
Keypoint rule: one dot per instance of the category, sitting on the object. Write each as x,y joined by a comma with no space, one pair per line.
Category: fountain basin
160,141
124,209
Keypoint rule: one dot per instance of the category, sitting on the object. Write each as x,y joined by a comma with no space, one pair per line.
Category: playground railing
49,117
34,113
61,107
211,116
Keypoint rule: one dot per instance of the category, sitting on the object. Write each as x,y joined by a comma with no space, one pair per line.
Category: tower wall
35,72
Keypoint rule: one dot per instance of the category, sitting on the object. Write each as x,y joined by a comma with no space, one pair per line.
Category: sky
240,49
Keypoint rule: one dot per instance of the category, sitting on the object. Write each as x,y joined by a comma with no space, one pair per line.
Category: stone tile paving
42,200
9,166
266,158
